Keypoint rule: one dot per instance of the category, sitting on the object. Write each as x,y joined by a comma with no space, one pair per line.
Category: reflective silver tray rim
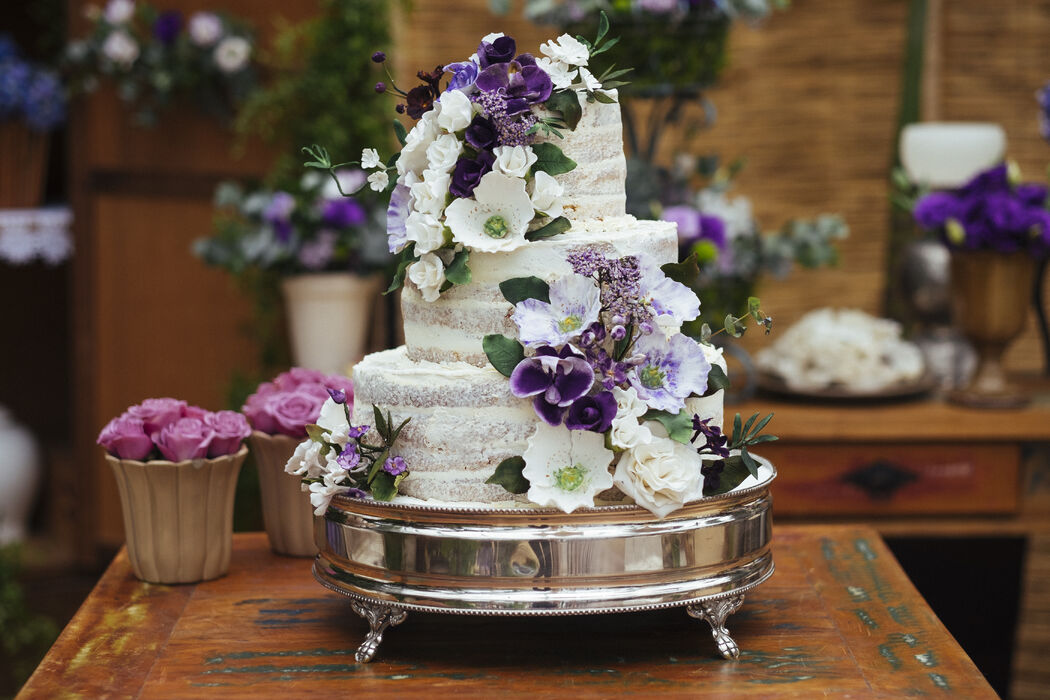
541,561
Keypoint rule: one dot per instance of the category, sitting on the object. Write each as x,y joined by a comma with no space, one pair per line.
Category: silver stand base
380,617
715,613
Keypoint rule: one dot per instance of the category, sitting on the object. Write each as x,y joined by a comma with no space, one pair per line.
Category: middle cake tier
451,328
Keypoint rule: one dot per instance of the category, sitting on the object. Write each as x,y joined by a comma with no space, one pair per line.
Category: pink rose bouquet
171,429
293,401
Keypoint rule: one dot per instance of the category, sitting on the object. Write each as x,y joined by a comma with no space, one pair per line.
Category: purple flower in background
554,379
994,179
464,74
167,26
481,134
934,210
186,438
468,173
125,437
1042,95
14,80
396,215
231,428
317,254
343,212
686,219
670,372
44,102
575,303
395,465
713,228
594,413
500,50
278,213
157,413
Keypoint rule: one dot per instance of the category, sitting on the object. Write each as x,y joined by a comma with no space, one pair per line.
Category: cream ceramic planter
287,513
329,315
178,517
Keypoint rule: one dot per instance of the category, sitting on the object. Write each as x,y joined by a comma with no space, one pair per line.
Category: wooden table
838,617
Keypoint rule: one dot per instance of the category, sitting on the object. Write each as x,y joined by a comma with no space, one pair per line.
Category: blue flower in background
44,104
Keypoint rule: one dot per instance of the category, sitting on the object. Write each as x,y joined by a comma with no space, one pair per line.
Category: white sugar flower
566,49
378,180
119,11
428,274
627,431
429,194
561,74
232,54
546,194
566,468
514,160
496,219
575,303
120,48
489,38
370,159
456,111
660,475
321,494
426,231
306,460
443,152
333,421
589,81
204,28
414,153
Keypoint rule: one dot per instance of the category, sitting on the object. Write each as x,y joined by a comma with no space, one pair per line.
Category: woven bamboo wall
810,99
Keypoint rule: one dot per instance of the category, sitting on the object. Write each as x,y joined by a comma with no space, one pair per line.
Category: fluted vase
287,514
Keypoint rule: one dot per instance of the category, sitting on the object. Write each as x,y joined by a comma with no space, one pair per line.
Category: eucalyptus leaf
754,308
504,353
551,159
519,289
551,228
684,272
509,475
733,326
679,425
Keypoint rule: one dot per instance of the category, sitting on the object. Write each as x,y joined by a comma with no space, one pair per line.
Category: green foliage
24,636
509,475
568,103
679,425
457,271
504,353
521,288
551,228
551,160
323,89
717,379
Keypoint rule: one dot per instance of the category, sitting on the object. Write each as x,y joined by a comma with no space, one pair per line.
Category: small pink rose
194,412
186,438
296,377
125,437
257,410
313,388
157,413
230,429
295,410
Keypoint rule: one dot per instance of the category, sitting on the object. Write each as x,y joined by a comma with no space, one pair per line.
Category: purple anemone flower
670,372
666,296
523,84
594,413
468,173
464,74
554,379
575,303
343,212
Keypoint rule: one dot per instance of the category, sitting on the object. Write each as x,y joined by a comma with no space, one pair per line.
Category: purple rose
481,134
186,438
293,411
155,414
554,379
256,410
343,212
501,50
296,377
594,413
230,429
125,437
194,412
463,75
167,26
468,173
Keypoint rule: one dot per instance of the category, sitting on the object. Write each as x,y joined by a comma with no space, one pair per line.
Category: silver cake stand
390,559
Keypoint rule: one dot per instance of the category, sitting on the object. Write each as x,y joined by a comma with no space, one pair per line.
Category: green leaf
384,486
737,434
733,326
551,228
733,475
679,425
603,27
408,256
758,428
754,308
457,271
759,439
382,427
605,47
504,353
519,289
749,462
551,159
401,132
717,379
315,432
397,432
684,272
748,424
377,466
568,104
508,475
602,97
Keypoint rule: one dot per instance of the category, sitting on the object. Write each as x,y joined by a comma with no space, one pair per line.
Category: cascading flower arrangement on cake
544,359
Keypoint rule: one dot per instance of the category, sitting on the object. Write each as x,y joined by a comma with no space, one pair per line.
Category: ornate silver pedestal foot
379,617
715,613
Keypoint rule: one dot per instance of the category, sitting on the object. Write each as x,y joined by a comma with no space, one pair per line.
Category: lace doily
36,234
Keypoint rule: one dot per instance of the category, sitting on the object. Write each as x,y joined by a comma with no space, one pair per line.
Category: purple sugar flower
594,413
464,74
669,371
355,493
481,134
575,303
554,379
522,85
468,173
666,296
378,57
500,50
338,395
714,440
349,458
395,465
396,215
343,212
357,431
167,26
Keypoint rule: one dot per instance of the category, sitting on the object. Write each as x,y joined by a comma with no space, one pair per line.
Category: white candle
948,154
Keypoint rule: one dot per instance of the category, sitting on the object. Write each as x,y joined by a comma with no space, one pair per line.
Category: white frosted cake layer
452,327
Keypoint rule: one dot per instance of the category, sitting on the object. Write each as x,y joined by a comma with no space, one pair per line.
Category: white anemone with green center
566,468
496,218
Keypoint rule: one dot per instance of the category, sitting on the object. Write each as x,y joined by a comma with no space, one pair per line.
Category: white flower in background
514,160
350,180
414,153
561,74
428,274
426,231
566,468
443,152
735,214
546,194
496,219
456,111
119,11
660,475
321,494
232,54
378,180
430,193
370,159
332,420
204,28
627,431
306,460
566,49
120,48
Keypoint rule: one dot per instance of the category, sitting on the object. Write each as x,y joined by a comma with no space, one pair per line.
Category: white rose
119,11
426,231
204,28
456,111
378,180
429,194
414,153
120,48
627,432
428,274
561,74
514,160
370,159
628,402
546,194
443,153
566,49
660,475
232,54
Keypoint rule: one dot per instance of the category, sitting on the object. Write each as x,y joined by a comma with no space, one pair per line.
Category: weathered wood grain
838,618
